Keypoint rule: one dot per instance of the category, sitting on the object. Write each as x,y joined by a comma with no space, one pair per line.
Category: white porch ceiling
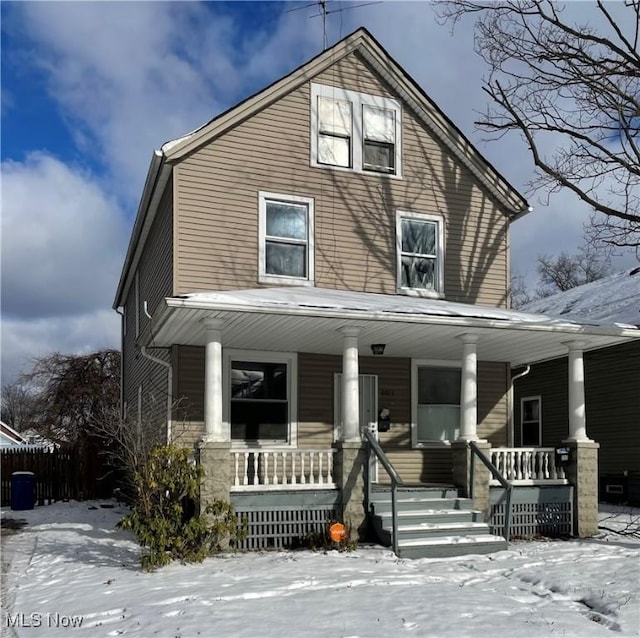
309,320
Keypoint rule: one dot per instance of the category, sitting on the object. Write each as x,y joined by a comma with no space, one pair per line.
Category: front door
368,394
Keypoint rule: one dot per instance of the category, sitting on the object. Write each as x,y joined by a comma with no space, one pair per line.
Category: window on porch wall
438,413
259,401
531,421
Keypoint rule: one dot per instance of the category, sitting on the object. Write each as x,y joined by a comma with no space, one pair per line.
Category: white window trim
358,100
291,360
425,363
419,292
538,398
283,280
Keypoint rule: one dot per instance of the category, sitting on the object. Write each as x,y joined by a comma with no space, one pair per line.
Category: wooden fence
67,472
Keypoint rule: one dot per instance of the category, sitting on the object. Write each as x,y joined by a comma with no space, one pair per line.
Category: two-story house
332,255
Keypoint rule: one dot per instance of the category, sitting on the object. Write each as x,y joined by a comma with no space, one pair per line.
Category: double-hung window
531,421
355,131
335,132
286,239
436,403
261,397
420,253
378,139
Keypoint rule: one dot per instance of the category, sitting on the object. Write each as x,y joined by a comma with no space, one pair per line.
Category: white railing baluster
256,465
320,477
245,474
265,468
277,468
293,469
527,465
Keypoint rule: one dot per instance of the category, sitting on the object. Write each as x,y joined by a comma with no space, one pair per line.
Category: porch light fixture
378,348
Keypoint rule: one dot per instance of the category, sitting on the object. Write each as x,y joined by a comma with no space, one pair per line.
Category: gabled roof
402,84
514,204
613,300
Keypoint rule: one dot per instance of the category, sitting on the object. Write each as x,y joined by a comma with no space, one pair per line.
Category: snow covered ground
72,573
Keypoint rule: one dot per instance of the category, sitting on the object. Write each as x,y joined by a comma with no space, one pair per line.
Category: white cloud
63,240
127,76
24,340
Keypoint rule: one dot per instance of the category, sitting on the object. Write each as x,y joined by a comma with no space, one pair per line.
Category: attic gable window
334,132
379,137
286,239
420,254
354,131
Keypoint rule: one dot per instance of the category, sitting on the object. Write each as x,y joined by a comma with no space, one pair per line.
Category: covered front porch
330,342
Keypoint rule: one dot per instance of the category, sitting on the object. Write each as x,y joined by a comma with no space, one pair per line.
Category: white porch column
213,425
350,388
577,412
469,389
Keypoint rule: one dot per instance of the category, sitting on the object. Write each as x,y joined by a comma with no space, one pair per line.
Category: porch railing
282,469
499,479
528,466
373,447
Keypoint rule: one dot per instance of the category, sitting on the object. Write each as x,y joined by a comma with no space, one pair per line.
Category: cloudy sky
90,89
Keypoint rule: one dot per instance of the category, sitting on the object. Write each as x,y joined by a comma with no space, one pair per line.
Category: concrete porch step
433,521
446,546
415,517
406,503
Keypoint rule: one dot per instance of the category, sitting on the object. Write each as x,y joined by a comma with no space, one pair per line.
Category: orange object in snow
337,532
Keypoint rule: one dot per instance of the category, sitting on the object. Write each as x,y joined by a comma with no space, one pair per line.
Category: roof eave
157,164
570,329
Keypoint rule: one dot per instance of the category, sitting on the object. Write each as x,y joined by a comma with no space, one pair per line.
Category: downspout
122,327
511,433
169,368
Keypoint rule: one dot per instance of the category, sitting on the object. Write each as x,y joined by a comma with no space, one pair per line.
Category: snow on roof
613,300
343,300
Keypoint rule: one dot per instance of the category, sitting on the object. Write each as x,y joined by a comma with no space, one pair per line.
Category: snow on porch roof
307,319
290,299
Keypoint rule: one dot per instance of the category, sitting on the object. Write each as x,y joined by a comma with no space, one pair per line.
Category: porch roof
308,319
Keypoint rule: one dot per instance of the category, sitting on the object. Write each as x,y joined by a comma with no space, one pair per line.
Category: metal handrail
495,472
396,481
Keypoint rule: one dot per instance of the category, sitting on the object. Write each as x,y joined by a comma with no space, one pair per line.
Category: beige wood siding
217,204
155,281
188,391
612,396
493,407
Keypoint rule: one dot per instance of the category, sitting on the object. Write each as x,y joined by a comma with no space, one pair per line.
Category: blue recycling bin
23,490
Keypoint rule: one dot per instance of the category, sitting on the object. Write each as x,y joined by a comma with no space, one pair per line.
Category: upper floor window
420,253
335,132
286,239
355,131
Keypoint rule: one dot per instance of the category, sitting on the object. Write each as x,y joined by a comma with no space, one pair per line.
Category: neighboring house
9,437
612,384
332,254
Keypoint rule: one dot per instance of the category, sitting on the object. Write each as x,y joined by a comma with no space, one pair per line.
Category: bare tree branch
572,91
